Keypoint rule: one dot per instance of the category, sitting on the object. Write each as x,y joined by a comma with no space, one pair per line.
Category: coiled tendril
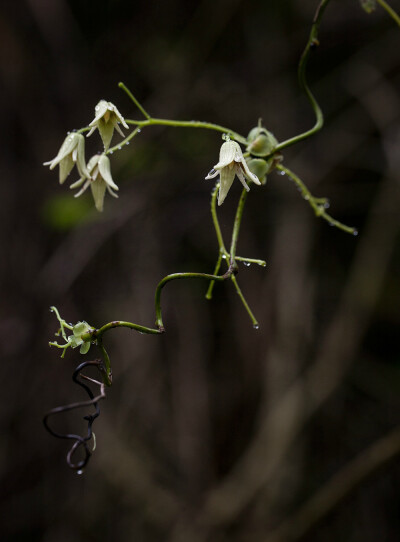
83,441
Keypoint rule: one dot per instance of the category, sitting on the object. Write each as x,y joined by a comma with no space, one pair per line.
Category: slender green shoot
134,100
311,44
390,11
319,205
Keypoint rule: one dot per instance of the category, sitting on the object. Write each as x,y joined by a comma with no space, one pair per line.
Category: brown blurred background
214,431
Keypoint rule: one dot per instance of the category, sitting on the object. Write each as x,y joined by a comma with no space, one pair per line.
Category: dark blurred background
214,431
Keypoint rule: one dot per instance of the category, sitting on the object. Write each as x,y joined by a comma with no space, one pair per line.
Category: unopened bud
261,142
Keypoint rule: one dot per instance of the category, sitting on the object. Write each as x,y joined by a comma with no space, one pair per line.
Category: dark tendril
93,401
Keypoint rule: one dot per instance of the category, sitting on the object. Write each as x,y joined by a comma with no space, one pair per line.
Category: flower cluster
75,339
258,160
97,173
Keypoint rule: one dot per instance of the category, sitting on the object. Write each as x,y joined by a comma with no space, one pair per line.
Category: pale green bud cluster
368,5
75,339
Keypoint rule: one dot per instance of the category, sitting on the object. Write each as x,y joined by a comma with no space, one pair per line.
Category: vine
262,155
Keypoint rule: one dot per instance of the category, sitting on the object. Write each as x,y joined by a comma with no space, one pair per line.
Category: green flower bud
75,340
368,5
260,168
261,142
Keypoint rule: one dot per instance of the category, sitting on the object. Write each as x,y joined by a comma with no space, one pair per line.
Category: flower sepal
71,152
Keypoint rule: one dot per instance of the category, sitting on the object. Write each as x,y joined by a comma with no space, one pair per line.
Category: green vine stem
150,121
318,204
188,124
390,11
224,254
107,372
312,42
236,226
176,276
134,100
97,334
124,142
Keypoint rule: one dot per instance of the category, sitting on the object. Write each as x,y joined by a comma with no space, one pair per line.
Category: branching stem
318,204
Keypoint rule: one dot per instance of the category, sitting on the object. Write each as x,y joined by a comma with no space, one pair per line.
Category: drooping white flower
71,152
231,163
106,119
100,180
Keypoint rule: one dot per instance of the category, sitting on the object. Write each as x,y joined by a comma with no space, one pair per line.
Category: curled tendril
93,401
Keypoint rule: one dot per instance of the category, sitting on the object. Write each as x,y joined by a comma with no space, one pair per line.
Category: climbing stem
187,124
318,204
212,282
97,334
134,100
311,43
390,11
236,226
124,142
107,373
243,300
177,276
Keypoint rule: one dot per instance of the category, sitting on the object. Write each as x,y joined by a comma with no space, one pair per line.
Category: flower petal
83,189
80,158
98,188
114,195
69,144
211,174
106,130
84,349
227,154
226,179
116,126
117,114
251,176
241,176
100,110
78,183
66,166
105,171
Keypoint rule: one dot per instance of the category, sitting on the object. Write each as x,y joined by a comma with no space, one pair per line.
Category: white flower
72,152
100,180
231,163
106,119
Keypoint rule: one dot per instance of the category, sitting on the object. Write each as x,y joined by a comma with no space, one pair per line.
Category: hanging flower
100,180
231,163
72,152
106,119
